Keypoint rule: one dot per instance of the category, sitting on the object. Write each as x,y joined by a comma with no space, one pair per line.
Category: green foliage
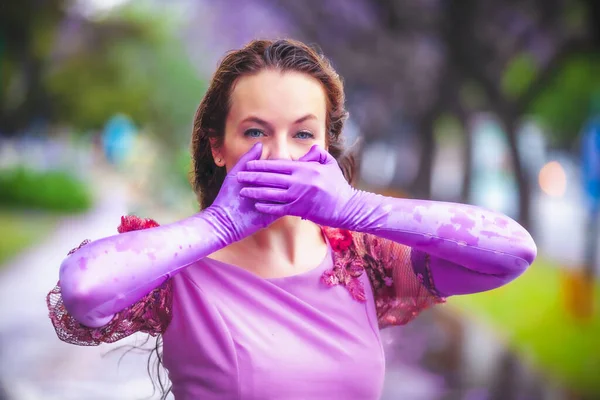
145,74
28,31
565,104
89,89
175,93
184,168
19,230
448,129
519,75
23,188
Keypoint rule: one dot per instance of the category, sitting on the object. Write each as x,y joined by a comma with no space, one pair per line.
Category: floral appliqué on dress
400,277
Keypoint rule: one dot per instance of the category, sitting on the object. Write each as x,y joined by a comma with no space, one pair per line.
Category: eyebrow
262,122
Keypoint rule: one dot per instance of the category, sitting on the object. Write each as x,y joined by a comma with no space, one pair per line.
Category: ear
216,153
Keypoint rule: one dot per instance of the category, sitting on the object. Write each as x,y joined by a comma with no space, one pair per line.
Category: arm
468,249
110,274
151,314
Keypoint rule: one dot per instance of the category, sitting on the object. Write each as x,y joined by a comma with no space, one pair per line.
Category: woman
278,287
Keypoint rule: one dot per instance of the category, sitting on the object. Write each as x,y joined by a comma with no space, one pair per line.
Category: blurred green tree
98,77
144,73
565,104
27,32
68,69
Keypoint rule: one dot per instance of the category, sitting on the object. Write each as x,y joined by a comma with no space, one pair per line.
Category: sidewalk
34,364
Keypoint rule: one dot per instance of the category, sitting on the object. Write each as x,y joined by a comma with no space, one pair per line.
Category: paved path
34,364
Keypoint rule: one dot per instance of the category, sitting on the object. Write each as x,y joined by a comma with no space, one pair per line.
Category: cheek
234,150
321,142
299,149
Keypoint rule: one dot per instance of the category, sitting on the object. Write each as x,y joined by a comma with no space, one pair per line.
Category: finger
253,154
313,154
264,179
278,210
285,167
266,194
317,154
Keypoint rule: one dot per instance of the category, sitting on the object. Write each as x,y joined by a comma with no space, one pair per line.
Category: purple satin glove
237,215
313,188
110,274
469,237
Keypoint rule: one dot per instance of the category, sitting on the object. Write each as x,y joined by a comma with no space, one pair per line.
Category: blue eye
254,133
304,135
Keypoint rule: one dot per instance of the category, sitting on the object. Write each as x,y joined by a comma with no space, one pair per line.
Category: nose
277,148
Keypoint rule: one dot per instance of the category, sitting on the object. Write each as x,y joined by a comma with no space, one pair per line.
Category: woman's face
286,111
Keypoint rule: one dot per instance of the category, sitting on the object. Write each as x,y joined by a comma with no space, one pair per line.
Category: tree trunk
465,195
506,384
594,21
421,186
510,125
463,118
35,99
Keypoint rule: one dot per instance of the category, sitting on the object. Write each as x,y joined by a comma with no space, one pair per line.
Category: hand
312,188
236,214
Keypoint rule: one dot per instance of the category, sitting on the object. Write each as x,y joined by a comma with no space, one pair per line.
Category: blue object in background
117,139
590,158
590,166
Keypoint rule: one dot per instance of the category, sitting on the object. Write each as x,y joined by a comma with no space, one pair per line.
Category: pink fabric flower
134,223
339,239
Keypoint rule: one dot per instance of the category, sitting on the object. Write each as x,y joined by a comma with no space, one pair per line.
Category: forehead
274,94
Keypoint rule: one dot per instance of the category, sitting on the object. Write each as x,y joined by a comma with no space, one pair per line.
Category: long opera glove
104,277
470,249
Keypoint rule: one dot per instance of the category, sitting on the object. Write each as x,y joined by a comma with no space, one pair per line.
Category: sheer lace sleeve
400,277
151,314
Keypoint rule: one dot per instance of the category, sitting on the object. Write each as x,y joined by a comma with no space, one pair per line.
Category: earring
218,161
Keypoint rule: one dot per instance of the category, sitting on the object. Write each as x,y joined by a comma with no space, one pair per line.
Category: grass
536,314
21,229
55,190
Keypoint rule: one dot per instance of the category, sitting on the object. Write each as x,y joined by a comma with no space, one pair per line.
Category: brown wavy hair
256,56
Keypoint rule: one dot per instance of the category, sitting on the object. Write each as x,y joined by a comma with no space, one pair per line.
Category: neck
288,237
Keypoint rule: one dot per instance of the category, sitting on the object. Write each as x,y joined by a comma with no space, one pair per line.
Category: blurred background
490,102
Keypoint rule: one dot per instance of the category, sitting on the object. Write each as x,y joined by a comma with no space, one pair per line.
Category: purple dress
229,334
234,335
